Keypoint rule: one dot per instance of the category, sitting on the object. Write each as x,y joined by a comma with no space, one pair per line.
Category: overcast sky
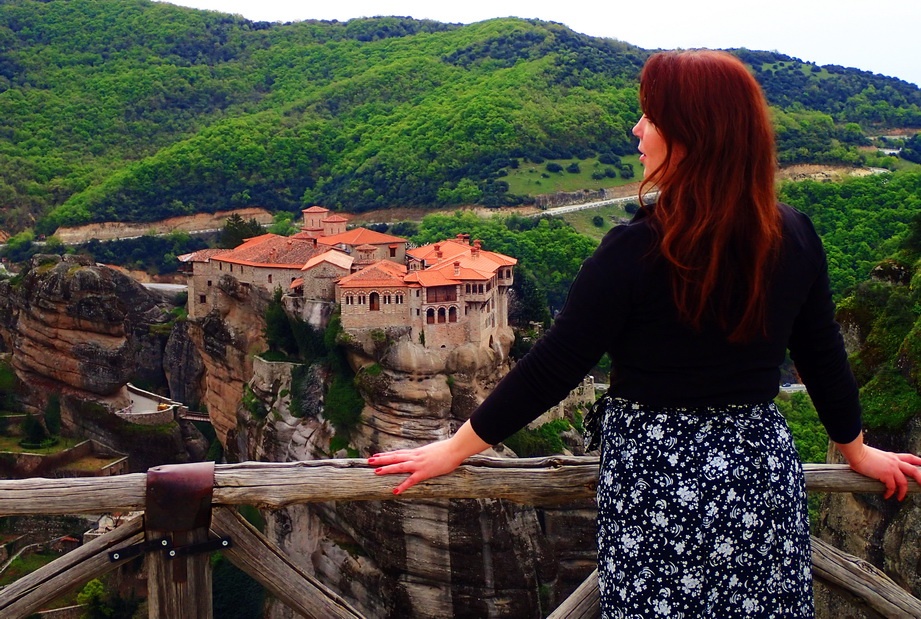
879,36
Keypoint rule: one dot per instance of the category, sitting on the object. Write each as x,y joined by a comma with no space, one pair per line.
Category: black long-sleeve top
621,303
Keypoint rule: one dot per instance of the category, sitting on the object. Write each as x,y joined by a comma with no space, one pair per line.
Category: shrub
597,221
573,168
542,441
343,405
553,167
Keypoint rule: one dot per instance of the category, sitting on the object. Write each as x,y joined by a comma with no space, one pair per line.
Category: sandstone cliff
82,331
78,328
412,558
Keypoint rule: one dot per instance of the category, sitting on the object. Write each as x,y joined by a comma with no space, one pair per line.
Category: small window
270,277
393,252
202,298
209,283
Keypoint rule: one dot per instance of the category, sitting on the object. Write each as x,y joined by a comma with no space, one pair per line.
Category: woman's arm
886,466
430,460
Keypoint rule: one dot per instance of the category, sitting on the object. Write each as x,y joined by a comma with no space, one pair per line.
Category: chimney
457,268
475,250
438,253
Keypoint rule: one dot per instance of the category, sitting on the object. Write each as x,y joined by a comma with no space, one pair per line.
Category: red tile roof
475,263
272,250
315,209
202,255
333,256
360,236
380,273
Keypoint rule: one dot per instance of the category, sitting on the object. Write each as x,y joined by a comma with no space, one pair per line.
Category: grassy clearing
533,178
11,443
582,220
26,564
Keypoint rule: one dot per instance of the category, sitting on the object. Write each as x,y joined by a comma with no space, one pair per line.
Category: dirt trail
201,222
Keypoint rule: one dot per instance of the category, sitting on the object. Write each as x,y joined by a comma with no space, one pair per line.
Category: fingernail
371,460
396,491
378,471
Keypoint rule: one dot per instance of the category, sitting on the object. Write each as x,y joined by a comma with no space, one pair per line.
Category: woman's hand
430,460
890,468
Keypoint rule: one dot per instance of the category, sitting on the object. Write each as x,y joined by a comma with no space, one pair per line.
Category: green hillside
133,110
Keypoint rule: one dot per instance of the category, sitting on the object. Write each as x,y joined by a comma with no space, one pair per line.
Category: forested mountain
133,110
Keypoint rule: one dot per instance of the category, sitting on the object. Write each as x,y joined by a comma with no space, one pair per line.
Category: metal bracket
218,543
135,549
178,501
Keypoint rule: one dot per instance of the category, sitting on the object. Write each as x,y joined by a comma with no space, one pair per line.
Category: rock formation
420,558
82,331
887,362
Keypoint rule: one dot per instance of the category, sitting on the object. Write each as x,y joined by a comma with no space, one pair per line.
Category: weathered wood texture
73,495
31,592
537,481
862,582
253,553
583,603
179,588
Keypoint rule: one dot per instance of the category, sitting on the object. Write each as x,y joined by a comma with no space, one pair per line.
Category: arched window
441,315
375,302
452,314
430,316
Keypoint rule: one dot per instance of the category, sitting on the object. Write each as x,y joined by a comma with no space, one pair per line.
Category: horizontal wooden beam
538,481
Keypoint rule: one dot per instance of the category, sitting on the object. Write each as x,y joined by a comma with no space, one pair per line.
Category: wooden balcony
537,481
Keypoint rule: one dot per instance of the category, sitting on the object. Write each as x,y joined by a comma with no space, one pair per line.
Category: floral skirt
701,513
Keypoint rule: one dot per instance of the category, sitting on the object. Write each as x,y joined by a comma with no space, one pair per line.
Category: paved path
561,210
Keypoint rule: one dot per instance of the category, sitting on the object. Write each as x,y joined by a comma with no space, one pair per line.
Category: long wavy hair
716,213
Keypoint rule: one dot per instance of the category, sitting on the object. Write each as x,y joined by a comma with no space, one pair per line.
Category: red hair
716,215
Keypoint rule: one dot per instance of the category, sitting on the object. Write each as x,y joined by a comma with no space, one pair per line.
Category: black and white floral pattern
701,513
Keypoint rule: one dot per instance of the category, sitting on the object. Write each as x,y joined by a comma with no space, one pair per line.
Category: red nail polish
396,491
377,471
371,460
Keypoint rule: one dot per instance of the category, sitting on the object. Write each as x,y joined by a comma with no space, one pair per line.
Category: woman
701,499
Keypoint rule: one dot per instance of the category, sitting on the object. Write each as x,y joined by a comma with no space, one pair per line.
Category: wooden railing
535,481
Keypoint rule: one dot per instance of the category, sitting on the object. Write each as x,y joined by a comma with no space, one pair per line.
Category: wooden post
179,588
179,510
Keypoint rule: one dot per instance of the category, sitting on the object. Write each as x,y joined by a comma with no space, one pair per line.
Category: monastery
445,294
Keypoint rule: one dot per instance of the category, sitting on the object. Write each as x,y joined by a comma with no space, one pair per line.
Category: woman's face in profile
652,145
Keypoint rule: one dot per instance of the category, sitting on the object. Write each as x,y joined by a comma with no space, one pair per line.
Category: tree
33,431
278,333
236,230
553,167
93,596
573,168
